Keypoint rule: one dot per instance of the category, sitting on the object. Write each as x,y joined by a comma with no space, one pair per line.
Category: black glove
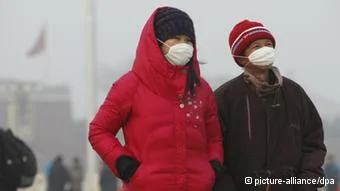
218,169
126,167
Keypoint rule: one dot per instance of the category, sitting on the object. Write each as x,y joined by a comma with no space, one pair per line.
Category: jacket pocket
136,175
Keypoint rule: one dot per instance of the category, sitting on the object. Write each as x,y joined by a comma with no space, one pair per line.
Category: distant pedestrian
107,180
59,177
77,175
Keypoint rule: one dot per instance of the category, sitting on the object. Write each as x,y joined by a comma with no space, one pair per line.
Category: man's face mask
264,56
179,54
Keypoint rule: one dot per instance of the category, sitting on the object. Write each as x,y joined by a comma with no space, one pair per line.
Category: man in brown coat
273,134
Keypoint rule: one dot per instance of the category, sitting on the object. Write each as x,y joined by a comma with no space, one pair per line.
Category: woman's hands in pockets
126,167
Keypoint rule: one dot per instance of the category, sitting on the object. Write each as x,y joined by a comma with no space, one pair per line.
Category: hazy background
306,32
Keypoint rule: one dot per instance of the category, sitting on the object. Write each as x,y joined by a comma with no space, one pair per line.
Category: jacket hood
154,70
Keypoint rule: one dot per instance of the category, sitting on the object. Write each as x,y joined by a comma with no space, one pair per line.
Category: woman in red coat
167,112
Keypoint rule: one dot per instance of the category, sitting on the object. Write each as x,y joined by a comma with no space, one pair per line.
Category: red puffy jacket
173,138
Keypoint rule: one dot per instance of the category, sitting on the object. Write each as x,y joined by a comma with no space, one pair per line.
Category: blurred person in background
167,112
107,180
332,171
76,175
4,183
47,168
59,179
271,128
18,163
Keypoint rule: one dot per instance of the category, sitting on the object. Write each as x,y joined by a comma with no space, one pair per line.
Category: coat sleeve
313,147
227,182
109,119
214,133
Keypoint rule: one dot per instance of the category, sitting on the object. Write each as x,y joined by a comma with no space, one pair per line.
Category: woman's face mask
179,54
264,56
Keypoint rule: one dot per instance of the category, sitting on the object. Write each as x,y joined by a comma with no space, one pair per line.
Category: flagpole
91,183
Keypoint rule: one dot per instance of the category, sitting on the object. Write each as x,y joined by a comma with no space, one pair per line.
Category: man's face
252,47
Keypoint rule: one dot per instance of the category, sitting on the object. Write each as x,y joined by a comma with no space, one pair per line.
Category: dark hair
192,79
58,159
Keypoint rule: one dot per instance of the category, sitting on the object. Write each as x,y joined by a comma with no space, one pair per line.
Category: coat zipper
249,122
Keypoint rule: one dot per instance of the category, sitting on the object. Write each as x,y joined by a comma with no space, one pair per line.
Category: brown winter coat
281,133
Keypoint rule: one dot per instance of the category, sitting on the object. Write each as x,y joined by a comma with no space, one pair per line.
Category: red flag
39,45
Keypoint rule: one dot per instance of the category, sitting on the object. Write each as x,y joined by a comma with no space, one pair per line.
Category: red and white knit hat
246,32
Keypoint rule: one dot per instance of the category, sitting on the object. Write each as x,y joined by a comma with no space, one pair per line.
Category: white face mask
179,54
264,56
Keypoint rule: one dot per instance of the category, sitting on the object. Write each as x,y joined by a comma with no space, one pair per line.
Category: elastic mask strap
239,56
163,42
